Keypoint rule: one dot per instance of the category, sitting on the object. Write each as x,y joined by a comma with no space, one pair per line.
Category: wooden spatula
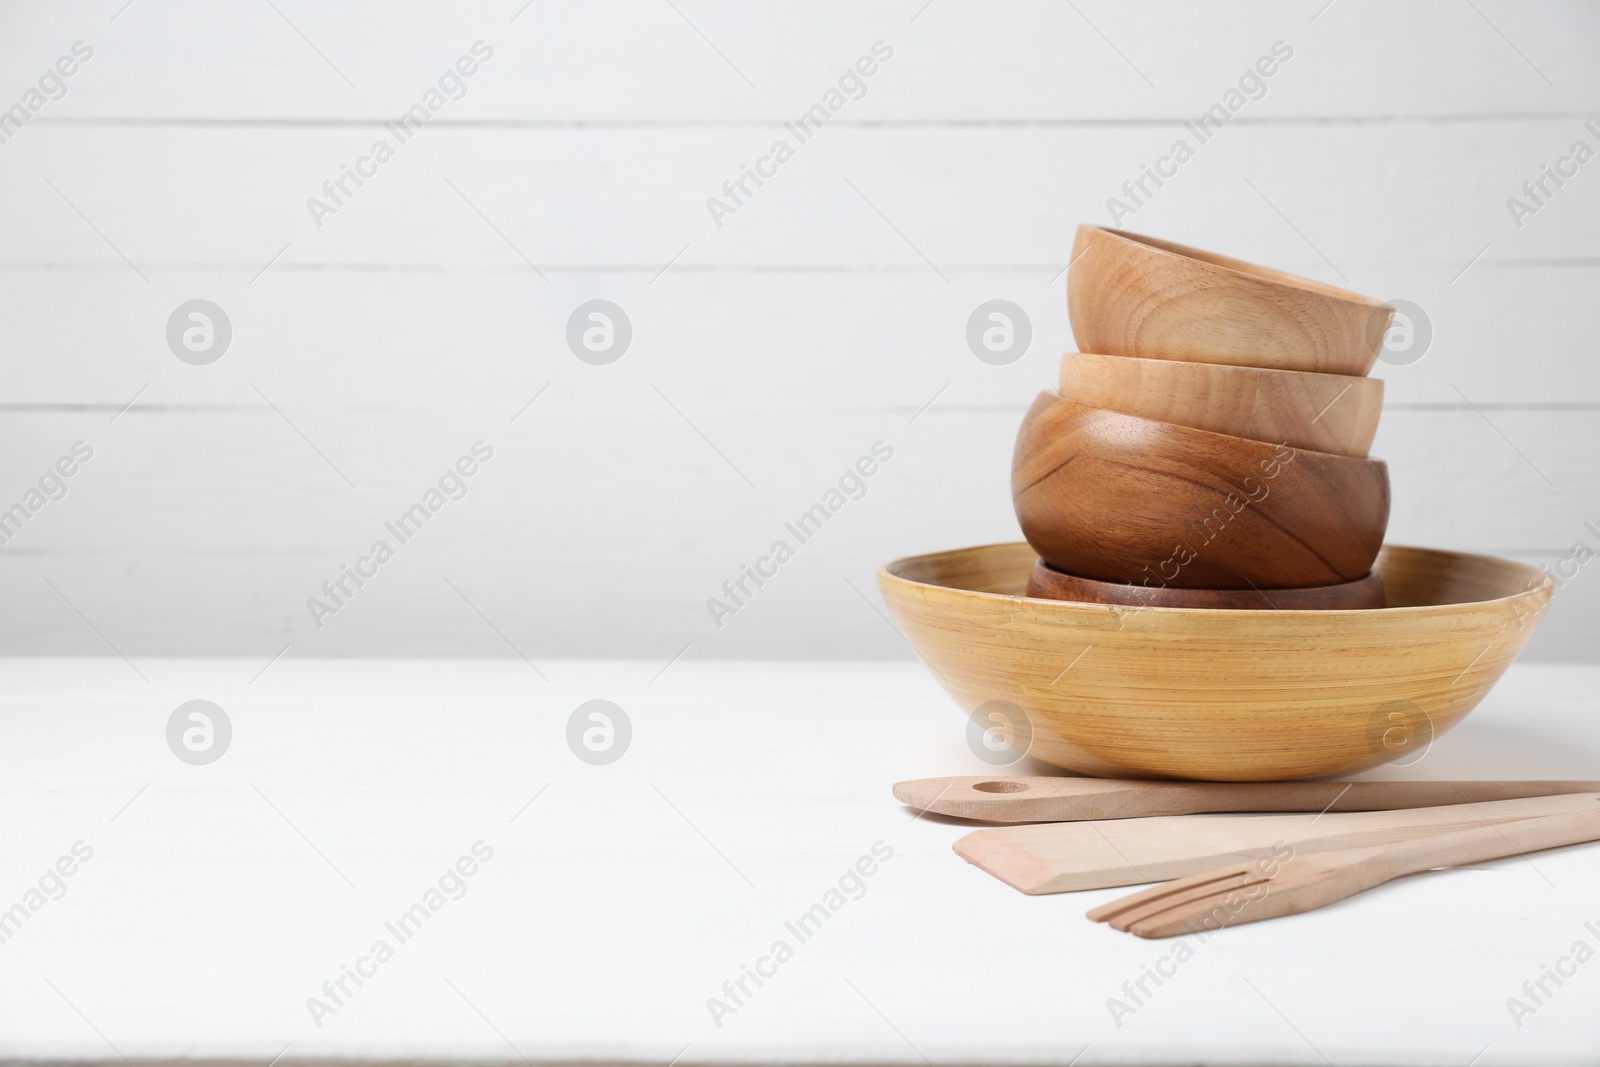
1249,892
1016,800
1066,857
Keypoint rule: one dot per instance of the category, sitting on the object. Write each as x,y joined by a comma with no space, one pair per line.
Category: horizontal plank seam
1566,262
72,406
473,552
245,122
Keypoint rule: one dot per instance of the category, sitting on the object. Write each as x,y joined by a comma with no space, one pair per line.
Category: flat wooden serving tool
1047,799
1066,857
1249,892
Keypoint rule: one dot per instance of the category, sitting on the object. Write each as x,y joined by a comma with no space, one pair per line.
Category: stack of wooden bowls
1208,446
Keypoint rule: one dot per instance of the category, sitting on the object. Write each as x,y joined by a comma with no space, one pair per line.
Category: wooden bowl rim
1223,370
1042,563
1241,268
1545,586
1265,447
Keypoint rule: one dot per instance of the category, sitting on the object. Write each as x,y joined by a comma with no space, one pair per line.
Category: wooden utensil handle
1059,857
1382,862
1366,796
1015,799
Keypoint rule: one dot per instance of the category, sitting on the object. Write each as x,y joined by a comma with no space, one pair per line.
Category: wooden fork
1270,887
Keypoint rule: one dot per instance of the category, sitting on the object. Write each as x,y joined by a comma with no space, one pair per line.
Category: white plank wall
768,353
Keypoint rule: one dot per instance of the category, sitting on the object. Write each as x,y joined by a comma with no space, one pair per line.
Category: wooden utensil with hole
1068,857
1250,892
1045,799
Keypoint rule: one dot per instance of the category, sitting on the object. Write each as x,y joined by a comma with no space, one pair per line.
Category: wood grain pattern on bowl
1220,695
1125,499
1129,295
1333,413
1051,584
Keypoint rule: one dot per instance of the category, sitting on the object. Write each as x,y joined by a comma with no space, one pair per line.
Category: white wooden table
619,898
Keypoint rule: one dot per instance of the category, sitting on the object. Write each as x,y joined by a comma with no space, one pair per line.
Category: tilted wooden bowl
1124,499
1220,695
1129,295
1323,412
1049,583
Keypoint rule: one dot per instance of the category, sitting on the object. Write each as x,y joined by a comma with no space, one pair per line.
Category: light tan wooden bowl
1129,295
1218,694
1334,413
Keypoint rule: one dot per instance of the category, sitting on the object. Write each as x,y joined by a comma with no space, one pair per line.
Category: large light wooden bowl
1129,295
1124,499
1217,694
1333,413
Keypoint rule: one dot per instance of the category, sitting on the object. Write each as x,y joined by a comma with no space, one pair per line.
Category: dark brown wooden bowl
1048,583
1125,499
